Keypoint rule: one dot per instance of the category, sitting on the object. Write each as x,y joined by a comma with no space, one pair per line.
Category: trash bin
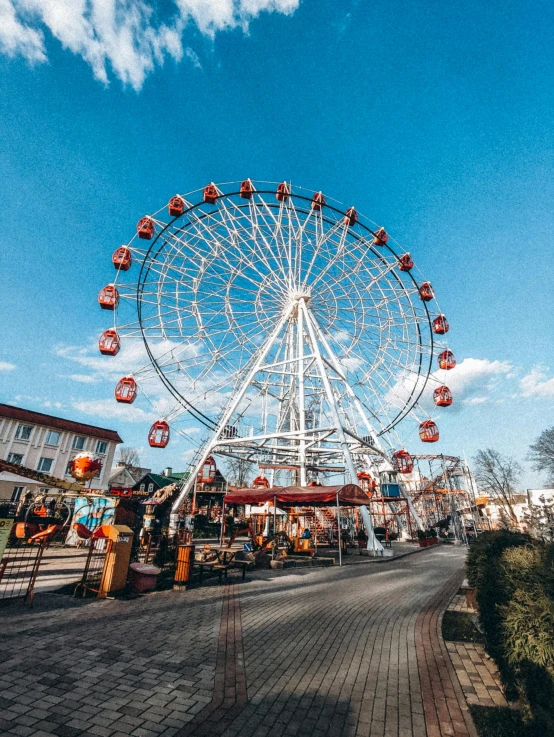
183,572
143,577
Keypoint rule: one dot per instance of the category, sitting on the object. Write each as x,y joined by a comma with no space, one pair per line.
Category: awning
350,495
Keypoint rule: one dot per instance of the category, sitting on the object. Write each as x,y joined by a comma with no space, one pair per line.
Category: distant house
207,496
150,482
123,479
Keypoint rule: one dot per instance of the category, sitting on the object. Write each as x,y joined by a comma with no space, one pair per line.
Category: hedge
514,578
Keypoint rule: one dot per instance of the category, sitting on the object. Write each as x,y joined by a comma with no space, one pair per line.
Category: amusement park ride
293,331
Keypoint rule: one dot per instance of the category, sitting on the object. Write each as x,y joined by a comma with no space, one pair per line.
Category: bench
221,568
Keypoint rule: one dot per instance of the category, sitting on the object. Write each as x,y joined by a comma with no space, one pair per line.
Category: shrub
514,578
493,592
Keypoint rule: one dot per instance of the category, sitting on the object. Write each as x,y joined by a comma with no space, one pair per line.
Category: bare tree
238,471
542,453
498,476
128,457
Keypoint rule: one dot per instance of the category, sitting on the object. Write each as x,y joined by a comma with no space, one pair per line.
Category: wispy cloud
83,378
4,365
537,384
124,37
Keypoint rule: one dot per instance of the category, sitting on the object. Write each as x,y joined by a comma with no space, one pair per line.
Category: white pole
372,542
274,525
338,530
301,406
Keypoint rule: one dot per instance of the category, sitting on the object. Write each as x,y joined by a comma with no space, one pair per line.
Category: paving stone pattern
477,674
111,668
320,652
334,653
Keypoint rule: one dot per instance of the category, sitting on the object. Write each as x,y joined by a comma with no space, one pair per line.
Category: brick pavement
141,667
322,652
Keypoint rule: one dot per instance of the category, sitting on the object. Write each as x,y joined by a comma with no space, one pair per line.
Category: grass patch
459,627
499,721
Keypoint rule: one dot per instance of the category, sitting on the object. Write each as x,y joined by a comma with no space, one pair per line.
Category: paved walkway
321,652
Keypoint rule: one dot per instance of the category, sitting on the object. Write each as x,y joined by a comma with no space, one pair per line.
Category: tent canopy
350,495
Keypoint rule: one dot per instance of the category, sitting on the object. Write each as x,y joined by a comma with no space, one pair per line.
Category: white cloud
474,379
83,378
109,409
124,36
537,384
4,365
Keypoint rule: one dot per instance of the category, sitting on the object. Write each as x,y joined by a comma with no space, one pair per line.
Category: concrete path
321,652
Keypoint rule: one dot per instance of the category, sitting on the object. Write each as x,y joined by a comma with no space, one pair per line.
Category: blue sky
435,121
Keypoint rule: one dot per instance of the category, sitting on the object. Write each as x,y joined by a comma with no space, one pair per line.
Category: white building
45,443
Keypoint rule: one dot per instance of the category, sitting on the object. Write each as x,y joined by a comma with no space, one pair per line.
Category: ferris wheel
292,330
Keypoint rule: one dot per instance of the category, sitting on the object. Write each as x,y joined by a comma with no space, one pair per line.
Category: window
45,464
142,487
150,488
16,458
52,437
78,443
16,493
101,447
23,432
68,469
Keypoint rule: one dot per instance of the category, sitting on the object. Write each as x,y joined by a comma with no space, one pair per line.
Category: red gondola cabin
446,360
402,461
318,201
176,206
246,190
351,217
260,482
283,192
381,237
406,262
442,396
366,482
206,475
428,432
126,390
440,325
210,194
108,297
158,436
145,228
108,343
122,259
426,292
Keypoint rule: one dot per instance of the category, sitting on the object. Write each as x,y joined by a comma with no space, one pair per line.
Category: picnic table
222,561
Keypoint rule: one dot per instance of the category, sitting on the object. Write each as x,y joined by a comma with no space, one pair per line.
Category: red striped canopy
349,495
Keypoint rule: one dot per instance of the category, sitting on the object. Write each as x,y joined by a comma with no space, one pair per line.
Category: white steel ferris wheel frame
282,305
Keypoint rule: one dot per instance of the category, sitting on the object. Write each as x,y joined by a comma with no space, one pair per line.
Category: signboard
5,528
125,492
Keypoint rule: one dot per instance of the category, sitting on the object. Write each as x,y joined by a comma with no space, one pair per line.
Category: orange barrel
183,570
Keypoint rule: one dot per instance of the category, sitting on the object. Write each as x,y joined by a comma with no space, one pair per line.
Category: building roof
38,418
159,479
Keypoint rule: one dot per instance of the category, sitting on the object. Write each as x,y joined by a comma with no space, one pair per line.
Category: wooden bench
221,568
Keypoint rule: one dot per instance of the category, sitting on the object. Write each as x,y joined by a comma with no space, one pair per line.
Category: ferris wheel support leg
372,542
415,516
371,430
230,409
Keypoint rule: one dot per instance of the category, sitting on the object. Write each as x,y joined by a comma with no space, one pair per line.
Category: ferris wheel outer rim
192,409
